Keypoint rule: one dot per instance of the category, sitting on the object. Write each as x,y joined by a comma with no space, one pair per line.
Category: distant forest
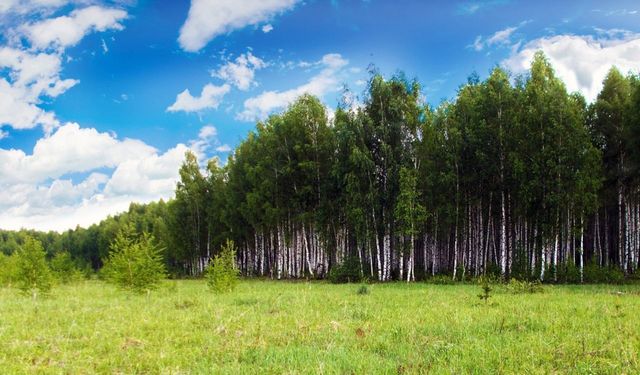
516,177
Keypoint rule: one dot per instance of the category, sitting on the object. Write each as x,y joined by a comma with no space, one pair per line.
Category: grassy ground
304,328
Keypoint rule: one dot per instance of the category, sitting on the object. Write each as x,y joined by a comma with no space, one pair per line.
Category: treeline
516,177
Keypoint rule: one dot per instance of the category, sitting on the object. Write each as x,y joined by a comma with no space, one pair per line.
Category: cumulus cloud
327,80
209,98
69,149
241,71
31,59
30,77
267,28
65,31
209,18
582,62
37,192
26,6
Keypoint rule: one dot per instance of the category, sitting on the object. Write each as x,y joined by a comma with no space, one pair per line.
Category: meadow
316,327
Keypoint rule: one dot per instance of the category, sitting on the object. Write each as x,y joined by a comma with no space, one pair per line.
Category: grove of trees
515,177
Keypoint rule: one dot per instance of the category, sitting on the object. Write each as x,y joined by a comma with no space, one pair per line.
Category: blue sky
99,100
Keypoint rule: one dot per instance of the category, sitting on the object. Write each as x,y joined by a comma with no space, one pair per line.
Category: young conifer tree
221,273
32,271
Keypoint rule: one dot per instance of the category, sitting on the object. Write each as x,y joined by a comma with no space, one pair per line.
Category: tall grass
304,328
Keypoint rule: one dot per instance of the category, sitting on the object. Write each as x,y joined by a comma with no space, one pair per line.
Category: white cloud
30,72
29,77
501,37
65,31
34,192
151,177
26,6
267,28
240,72
581,62
70,149
223,148
259,107
209,18
207,137
209,98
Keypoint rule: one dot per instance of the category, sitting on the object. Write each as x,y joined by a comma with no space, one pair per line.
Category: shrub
135,262
568,273
65,268
8,269
441,280
32,271
363,290
221,272
596,274
524,287
486,289
346,272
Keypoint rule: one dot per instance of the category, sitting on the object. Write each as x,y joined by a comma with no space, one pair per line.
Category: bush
596,274
346,272
221,272
441,280
486,289
8,269
363,290
135,262
32,271
524,287
65,268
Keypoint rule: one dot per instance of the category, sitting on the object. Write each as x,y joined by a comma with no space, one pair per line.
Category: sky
100,99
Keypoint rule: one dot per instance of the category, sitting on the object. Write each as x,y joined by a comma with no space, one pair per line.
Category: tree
221,272
410,214
8,269
65,268
135,262
32,271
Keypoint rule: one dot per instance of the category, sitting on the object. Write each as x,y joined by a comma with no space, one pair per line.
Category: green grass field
304,328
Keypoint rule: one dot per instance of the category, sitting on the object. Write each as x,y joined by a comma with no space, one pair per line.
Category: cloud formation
38,191
208,19
66,31
582,62
241,71
327,80
31,59
209,98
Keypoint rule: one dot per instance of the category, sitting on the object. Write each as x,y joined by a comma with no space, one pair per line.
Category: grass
304,328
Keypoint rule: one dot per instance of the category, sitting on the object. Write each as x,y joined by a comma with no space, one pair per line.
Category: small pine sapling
135,262
32,271
221,272
486,290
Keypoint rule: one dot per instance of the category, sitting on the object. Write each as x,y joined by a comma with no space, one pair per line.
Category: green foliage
221,272
524,287
8,269
486,290
32,271
568,273
346,272
441,280
596,274
65,268
135,262
363,290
